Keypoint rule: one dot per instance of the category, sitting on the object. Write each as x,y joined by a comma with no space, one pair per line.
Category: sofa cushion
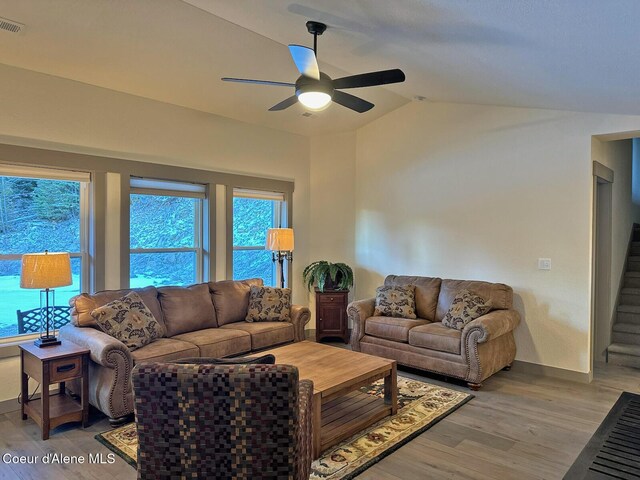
82,305
395,301
129,320
498,295
269,304
426,293
392,328
231,299
218,342
466,307
187,309
165,349
265,334
436,336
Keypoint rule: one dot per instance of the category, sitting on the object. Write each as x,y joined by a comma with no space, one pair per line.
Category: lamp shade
280,239
45,270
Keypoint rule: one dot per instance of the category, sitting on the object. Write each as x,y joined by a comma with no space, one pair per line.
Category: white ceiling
572,54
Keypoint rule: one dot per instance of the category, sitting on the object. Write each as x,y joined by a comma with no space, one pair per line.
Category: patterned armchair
222,421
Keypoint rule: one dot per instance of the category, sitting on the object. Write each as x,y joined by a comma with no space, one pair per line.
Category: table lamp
46,271
280,242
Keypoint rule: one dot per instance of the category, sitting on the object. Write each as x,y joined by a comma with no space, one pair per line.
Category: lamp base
47,341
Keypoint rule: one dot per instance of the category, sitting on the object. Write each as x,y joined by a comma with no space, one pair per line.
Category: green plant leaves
319,271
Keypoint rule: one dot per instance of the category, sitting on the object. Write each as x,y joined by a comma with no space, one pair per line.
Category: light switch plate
544,264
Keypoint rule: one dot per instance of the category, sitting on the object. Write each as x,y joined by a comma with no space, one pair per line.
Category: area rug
420,405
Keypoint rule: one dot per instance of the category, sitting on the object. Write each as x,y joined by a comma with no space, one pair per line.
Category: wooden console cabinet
331,314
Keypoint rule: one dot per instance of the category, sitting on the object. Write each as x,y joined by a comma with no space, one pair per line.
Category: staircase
625,338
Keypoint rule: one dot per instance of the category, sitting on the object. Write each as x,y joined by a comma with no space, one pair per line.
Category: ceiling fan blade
370,79
284,104
259,82
305,60
352,102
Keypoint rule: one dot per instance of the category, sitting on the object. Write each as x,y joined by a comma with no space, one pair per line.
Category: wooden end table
51,365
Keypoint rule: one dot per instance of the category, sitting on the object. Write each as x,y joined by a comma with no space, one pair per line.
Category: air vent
10,25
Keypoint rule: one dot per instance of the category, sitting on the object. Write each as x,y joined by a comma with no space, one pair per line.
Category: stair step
632,279
628,314
633,328
623,360
630,296
626,333
629,309
633,264
625,349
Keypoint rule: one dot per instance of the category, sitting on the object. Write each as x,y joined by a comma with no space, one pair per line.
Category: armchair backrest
216,421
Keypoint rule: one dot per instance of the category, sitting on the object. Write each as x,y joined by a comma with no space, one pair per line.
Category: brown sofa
203,320
485,346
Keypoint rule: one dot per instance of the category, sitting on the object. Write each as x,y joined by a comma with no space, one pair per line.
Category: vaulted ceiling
578,55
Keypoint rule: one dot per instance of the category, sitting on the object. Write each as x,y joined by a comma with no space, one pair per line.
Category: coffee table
339,408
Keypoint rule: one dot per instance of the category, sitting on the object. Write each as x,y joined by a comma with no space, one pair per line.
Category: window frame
163,188
86,181
280,219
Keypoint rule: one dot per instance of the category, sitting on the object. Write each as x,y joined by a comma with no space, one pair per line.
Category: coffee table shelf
352,412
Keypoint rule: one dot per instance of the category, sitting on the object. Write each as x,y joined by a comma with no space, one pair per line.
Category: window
40,209
166,233
254,212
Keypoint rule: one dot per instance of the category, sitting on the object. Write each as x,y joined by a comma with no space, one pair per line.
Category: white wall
44,111
481,192
332,205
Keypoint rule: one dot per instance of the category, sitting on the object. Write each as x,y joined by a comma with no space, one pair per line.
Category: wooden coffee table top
330,368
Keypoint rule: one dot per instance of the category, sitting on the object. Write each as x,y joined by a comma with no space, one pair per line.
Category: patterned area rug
420,405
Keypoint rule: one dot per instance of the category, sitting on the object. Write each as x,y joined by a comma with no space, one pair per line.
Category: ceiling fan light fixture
315,100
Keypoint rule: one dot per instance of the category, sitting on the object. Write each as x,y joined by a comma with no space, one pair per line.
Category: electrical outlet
544,264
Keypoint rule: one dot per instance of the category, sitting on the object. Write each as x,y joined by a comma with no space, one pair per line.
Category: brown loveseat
485,345
203,320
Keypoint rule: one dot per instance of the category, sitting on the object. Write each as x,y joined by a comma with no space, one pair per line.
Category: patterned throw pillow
269,304
129,320
466,306
396,301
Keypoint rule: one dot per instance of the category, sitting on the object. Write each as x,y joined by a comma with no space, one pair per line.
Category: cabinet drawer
332,298
65,369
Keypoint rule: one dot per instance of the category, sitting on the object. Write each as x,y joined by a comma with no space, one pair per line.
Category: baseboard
12,405
9,405
555,372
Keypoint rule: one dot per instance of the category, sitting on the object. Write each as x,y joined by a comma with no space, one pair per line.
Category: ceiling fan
315,89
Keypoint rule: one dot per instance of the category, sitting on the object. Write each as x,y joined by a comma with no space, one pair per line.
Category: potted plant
327,275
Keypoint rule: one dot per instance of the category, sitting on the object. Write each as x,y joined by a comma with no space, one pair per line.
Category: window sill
9,346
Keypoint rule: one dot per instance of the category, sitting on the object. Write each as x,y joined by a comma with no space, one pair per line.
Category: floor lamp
46,271
280,242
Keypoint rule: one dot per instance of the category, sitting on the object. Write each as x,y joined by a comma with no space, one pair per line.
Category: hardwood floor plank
518,426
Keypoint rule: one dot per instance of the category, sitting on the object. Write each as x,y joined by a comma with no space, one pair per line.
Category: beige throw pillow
129,320
396,301
269,304
466,306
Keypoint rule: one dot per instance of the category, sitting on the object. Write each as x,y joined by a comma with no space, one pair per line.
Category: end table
331,314
51,365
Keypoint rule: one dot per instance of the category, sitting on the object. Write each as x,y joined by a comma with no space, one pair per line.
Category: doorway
601,328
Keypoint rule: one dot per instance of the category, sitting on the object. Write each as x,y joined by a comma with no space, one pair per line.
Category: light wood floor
518,427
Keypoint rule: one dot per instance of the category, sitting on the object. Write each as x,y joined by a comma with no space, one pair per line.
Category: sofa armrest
358,312
300,316
304,450
490,326
105,350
